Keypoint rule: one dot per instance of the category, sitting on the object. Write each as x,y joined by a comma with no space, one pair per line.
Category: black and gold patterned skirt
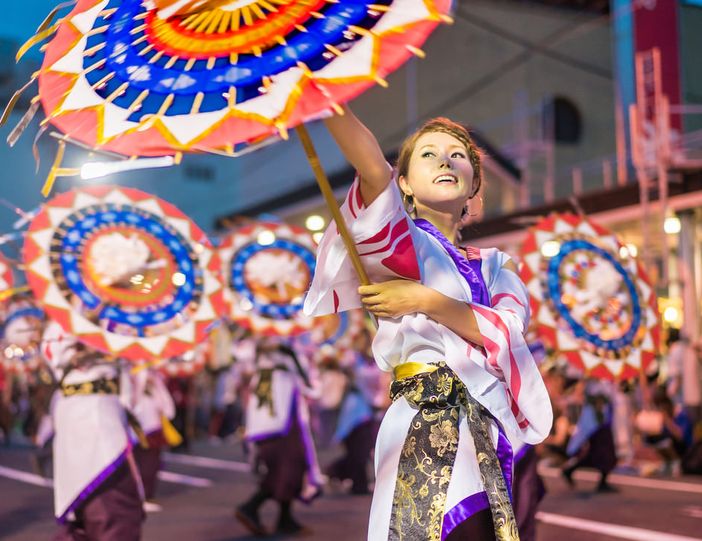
429,452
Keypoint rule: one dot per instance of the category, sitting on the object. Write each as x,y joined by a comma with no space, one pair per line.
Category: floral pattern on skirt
429,453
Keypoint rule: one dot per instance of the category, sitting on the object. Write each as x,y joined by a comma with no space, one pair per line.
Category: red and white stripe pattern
502,326
392,244
383,235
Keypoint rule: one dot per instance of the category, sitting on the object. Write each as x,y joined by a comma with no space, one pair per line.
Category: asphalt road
198,496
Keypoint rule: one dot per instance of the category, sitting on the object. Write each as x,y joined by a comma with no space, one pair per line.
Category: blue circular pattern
121,58
67,253
344,322
238,280
553,288
29,311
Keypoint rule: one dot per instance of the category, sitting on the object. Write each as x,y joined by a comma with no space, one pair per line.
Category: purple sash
469,268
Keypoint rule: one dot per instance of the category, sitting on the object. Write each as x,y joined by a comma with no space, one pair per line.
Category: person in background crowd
5,404
181,390
623,426
592,442
358,423
554,446
692,385
154,408
40,398
678,347
527,490
225,416
334,380
665,429
277,422
683,383
243,354
97,488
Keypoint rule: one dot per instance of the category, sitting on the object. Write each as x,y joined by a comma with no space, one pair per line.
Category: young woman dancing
451,323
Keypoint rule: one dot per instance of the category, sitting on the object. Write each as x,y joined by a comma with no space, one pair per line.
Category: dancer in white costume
451,324
97,489
278,423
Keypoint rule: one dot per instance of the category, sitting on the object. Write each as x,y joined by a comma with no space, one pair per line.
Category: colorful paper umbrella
268,268
124,271
591,300
118,76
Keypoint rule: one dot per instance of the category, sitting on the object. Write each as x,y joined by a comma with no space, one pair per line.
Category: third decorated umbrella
591,299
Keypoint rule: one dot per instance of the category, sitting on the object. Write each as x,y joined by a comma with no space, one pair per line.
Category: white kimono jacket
503,377
289,394
90,431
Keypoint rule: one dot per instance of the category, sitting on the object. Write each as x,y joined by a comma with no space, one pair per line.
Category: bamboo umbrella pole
330,200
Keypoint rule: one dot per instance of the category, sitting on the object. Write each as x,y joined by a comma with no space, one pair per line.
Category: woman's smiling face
440,175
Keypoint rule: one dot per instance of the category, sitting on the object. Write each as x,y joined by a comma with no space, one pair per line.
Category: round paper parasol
591,301
122,76
123,271
268,268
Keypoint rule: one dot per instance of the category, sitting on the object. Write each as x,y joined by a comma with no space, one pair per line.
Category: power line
501,70
486,25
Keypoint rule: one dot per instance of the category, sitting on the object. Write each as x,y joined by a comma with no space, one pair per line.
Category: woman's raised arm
362,151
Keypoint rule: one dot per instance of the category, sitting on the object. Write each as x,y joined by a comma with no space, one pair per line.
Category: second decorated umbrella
124,271
591,300
268,267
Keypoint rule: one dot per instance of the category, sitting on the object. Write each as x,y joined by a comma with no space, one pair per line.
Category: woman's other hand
394,298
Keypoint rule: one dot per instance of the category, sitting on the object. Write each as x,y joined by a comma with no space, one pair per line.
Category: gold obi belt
98,386
411,369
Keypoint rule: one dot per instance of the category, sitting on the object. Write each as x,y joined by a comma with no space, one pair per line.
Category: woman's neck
446,222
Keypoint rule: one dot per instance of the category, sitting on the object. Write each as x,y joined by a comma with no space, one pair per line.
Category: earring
408,202
466,209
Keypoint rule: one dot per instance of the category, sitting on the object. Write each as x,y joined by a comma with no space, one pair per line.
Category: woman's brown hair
444,125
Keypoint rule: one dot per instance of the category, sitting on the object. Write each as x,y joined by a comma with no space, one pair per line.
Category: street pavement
198,493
